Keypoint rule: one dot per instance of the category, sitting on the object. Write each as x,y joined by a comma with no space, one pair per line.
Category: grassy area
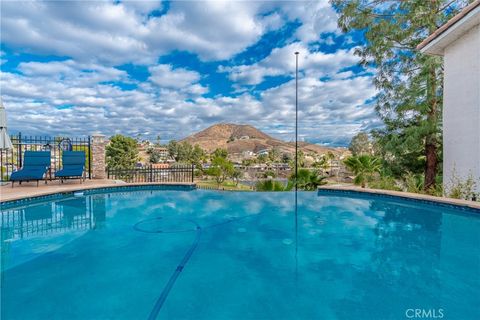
227,185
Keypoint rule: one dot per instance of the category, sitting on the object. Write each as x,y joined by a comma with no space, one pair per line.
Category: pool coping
403,195
335,188
107,186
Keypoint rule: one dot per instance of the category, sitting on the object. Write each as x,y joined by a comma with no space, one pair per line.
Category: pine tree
360,144
121,152
409,83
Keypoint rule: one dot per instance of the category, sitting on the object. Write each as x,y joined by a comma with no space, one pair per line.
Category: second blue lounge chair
73,163
35,165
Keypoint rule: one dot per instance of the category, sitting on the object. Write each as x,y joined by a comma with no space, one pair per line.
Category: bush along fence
12,159
180,173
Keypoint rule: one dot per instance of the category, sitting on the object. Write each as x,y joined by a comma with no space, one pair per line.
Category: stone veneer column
98,156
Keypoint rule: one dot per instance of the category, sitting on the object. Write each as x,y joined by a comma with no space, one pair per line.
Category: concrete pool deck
401,194
30,189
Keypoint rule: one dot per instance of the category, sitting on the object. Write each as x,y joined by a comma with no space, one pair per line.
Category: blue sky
148,68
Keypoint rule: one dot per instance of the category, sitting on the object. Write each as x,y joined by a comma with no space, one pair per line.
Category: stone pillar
98,156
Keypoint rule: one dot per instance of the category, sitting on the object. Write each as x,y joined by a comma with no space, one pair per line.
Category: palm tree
325,162
364,167
314,180
308,180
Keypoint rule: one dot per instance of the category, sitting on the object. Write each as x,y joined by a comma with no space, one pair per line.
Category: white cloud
281,61
316,17
84,88
115,33
164,76
85,31
330,111
215,30
329,41
72,73
124,32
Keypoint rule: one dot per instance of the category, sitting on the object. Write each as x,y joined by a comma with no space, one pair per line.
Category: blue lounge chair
35,165
73,165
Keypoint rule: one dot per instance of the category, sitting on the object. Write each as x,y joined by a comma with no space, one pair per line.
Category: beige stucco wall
461,114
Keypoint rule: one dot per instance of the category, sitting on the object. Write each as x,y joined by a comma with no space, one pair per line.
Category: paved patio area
30,189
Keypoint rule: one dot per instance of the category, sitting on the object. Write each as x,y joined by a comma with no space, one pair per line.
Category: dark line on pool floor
166,290
171,281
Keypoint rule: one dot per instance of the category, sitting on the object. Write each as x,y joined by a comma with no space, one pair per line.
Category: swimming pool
196,254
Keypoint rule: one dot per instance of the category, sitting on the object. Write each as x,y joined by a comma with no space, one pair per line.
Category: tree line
122,153
408,147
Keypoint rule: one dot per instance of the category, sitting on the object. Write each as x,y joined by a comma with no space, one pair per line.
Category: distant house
163,152
247,154
458,41
263,152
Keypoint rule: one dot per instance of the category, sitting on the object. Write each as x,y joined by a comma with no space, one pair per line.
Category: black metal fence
178,173
12,159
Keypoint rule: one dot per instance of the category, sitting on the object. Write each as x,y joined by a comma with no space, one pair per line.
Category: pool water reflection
112,255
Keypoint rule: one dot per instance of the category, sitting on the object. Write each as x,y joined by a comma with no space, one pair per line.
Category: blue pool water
211,255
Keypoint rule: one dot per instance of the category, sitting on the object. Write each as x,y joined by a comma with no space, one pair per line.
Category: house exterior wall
461,111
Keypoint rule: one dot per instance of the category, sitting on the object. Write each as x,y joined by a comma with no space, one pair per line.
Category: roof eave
452,30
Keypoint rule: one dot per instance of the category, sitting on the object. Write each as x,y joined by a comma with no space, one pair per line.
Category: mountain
240,138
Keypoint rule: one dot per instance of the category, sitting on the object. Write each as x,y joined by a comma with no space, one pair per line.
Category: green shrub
385,183
462,189
364,167
414,182
308,180
271,185
269,173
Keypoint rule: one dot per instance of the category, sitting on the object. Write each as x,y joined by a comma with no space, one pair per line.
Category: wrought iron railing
178,173
12,159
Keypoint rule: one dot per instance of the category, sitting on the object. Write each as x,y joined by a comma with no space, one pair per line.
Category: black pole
296,119
19,155
296,171
89,157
